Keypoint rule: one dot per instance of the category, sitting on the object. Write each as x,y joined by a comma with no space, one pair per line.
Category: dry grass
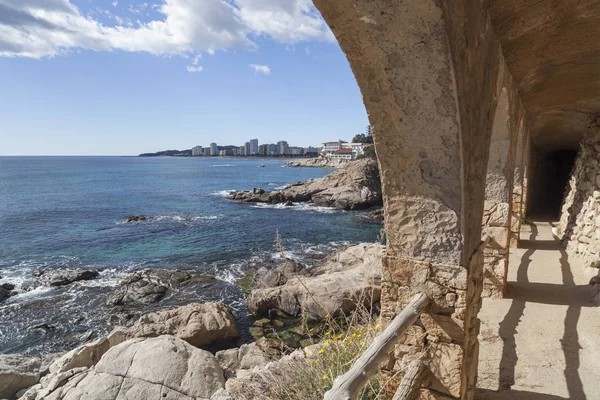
342,342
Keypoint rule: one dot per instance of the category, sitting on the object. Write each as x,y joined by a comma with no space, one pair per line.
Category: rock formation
319,162
198,324
62,277
17,372
150,285
162,367
354,186
343,281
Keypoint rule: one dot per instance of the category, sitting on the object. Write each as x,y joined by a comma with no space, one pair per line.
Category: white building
253,146
242,150
214,150
197,151
248,148
345,154
330,147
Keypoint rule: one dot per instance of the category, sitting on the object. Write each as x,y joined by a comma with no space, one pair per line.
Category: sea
60,212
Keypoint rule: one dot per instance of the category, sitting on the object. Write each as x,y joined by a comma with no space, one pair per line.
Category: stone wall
579,224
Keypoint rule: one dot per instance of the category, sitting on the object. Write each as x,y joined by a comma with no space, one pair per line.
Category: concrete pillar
430,73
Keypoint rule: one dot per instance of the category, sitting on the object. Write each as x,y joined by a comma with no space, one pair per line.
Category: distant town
252,148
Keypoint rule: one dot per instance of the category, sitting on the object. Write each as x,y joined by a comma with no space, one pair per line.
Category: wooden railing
349,385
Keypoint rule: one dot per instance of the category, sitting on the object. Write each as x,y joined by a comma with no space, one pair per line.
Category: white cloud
42,28
263,69
191,68
115,3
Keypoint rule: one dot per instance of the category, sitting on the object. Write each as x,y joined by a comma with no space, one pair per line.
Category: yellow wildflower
321,351
324,377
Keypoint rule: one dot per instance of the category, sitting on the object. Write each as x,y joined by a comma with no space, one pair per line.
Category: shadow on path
508,327
523,291
570,340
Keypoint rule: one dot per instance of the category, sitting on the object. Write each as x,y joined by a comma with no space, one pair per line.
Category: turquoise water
60,212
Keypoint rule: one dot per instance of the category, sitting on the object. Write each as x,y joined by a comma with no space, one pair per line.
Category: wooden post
348,386
411,382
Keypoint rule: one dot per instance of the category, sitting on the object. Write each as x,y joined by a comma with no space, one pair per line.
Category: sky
123,77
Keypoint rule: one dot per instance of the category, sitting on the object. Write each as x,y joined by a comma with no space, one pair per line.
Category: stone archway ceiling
552,49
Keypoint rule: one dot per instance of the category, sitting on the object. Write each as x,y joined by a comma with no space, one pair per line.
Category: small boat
261,166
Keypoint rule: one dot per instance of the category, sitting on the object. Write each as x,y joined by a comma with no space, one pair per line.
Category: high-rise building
214,149
248,149
197,151
206,151
282,147
263,149
253,146
242,150
272,149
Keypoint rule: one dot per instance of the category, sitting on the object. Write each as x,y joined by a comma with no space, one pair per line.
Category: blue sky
126,77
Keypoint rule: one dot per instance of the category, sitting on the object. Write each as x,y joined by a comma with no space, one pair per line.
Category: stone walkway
542,342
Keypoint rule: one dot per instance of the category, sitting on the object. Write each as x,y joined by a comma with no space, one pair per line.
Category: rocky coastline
354,186
158,354
319,162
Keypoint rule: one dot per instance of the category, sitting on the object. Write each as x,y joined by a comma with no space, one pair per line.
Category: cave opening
550,173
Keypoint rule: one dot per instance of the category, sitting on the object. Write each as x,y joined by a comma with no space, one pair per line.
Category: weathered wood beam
411,382
348,385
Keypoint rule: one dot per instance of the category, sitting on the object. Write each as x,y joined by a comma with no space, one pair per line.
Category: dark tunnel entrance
549,173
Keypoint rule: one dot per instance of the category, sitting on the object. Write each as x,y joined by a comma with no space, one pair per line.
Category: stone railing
349,385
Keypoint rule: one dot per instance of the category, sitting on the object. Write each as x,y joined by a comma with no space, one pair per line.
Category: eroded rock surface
17,372
198,324
62,277
150,285
162,367
354,186
338,285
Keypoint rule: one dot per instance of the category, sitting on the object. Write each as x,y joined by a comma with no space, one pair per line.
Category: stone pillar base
440,331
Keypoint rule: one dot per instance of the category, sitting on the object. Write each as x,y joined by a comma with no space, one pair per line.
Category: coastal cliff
354,186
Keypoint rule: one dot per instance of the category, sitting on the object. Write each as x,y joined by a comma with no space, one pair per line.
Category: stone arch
430,73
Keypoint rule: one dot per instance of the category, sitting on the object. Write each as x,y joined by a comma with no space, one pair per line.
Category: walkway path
543,341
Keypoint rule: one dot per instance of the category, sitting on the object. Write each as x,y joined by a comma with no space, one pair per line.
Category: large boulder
62,277
240,361
156,368
356,185
17,372
150,285
198,324
344,281
87,355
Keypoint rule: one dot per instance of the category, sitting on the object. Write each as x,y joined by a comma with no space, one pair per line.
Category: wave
223,165
298,207
222,193
174,218
178,218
